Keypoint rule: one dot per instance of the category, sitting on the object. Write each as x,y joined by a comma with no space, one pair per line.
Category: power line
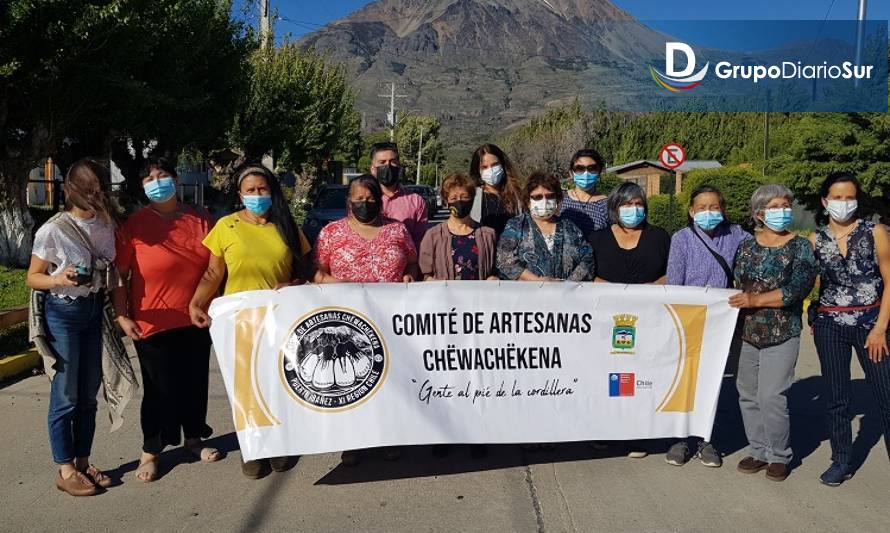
391,116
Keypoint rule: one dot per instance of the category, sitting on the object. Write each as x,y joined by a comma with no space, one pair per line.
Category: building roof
685,167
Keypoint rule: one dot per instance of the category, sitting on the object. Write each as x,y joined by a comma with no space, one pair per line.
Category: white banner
322,368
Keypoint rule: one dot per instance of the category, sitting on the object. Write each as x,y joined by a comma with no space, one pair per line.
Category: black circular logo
334,359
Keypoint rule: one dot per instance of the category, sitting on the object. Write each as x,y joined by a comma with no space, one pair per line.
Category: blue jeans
74,331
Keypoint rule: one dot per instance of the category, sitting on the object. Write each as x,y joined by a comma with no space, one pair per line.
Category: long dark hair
80,192
704,189
279,213
509,188
831,179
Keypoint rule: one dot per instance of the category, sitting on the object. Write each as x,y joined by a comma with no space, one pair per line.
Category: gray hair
623,194
766,194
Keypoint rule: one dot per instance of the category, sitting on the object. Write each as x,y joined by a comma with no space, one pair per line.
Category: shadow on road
418,461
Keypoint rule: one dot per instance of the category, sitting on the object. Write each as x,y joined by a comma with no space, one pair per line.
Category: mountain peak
404,17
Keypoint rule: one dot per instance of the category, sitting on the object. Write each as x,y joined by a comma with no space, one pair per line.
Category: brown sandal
98,477
76,485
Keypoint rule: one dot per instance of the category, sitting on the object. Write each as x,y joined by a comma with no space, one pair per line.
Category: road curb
17,364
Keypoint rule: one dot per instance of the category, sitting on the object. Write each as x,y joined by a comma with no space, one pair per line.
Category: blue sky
306,15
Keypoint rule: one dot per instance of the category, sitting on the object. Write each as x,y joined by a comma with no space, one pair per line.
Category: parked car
329,205
428,194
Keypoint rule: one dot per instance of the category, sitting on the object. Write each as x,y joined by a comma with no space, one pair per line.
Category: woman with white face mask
851,314
498,198
776,271
539,245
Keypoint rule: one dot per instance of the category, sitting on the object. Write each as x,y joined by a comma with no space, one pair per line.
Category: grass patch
13,291
14,340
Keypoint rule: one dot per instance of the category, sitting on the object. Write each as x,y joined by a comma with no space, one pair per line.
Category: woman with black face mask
460,248
365,247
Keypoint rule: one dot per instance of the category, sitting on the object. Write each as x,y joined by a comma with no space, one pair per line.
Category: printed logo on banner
624,334
334,359
621,384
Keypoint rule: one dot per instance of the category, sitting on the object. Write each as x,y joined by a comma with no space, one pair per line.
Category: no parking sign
672,155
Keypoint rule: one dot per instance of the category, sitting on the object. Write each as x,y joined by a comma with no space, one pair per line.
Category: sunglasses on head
580,169
539,197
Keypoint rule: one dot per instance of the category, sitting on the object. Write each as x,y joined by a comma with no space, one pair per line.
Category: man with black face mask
407,208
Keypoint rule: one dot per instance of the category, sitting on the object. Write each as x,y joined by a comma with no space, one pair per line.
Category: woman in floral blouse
539,245
776,270
852,313
365,247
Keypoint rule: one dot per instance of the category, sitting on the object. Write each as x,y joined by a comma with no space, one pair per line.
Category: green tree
93,77
736,184
408,137
820,143
297,106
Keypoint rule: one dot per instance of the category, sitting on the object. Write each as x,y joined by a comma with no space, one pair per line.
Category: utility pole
766,131
860,36
419,155
265,24
391,116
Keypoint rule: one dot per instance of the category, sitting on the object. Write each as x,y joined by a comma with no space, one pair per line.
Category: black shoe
836,474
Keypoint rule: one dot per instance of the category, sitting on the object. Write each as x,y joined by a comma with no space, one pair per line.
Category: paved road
575,488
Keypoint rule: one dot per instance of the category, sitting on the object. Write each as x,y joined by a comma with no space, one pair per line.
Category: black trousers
835,344
175,371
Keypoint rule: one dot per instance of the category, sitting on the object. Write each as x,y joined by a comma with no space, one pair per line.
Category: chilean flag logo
621,384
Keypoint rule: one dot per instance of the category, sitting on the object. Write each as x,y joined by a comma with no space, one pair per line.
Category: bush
737,184
667,213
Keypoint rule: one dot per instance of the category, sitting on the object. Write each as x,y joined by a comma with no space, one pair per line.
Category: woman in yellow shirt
259,247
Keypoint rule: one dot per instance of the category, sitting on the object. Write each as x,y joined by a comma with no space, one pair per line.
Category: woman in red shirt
159,249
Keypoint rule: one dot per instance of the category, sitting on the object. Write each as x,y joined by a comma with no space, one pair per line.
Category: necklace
849,231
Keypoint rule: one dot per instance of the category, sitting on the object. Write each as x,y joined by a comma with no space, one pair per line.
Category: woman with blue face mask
776,271
259,247
630,251
702,255
582,204
161,260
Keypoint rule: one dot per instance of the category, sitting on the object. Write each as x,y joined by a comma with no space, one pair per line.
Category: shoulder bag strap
720,259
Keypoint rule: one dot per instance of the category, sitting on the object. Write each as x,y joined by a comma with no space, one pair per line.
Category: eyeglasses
579,169
539,197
